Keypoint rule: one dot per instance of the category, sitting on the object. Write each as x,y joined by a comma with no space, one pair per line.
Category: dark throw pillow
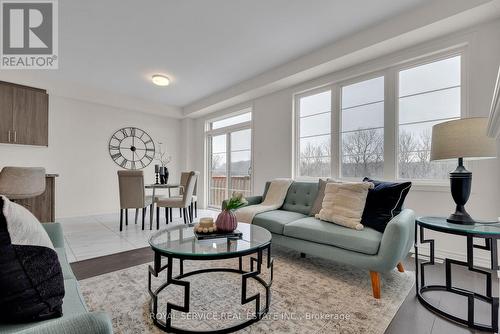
31,279
384,202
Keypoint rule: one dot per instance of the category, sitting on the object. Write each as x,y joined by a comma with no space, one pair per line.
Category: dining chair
133,195
194,198
183,202
22,182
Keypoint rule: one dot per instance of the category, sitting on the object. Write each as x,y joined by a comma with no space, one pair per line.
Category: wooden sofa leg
401,269
375,276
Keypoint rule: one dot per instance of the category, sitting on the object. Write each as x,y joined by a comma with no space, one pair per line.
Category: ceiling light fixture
160,80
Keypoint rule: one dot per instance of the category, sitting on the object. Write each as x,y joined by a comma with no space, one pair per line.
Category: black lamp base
460,182
461,217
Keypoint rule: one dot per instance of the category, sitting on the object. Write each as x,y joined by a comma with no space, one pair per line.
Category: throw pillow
318,202
344,203
31,282
384,202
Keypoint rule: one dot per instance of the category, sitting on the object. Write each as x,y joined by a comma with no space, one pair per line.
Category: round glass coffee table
180,242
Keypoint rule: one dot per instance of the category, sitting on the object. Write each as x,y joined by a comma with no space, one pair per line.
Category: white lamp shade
462,138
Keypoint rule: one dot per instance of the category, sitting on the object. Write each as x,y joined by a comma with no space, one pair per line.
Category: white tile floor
92,236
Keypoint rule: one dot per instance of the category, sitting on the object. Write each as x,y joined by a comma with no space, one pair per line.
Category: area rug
309,295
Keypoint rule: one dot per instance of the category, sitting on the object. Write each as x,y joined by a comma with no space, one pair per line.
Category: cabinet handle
9,136
15,136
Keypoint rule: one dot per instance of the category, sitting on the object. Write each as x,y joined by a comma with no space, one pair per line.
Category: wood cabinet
24,115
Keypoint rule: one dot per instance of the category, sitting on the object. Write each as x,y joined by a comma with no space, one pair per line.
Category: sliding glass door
229,162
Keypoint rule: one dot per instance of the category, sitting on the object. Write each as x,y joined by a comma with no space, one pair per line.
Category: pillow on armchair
31,282
383,203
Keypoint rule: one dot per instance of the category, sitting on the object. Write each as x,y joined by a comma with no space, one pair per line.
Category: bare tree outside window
363,153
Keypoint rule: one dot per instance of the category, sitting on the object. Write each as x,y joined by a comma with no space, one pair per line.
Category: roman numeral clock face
131,148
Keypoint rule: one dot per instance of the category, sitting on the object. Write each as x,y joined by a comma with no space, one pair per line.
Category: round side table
490,232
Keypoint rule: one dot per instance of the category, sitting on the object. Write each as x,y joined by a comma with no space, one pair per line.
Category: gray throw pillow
318,202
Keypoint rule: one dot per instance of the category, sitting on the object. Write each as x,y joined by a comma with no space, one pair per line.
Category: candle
157,168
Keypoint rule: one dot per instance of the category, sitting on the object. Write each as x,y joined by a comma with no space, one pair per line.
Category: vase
163,175
226,221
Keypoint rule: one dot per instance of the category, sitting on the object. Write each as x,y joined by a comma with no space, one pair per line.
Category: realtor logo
29,34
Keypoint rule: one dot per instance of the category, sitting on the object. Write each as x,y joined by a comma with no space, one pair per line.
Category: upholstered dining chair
194,199
22,182
182,202
133,195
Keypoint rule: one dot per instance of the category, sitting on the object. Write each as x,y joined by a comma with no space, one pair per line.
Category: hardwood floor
411,318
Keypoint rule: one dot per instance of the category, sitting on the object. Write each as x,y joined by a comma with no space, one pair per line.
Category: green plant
236,201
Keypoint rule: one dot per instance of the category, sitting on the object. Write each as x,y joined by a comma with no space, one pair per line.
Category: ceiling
203,46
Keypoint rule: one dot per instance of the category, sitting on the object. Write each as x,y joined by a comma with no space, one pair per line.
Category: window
379,126
314,146
428,94
362,133
229,157
241,118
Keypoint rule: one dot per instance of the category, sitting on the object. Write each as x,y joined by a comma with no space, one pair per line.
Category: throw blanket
274,200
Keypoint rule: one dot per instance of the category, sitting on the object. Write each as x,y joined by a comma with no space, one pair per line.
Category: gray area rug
309,295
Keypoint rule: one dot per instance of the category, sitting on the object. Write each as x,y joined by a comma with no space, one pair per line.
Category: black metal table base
254,273
421,287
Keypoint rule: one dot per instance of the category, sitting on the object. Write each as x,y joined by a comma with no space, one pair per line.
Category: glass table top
181,240
479,228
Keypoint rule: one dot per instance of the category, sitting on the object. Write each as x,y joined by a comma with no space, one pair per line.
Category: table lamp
463,139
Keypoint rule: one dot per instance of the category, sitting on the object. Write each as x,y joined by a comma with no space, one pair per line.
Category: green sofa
292,227
76,318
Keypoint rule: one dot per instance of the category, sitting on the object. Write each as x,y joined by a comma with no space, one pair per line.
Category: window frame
227,130
296,145
391,114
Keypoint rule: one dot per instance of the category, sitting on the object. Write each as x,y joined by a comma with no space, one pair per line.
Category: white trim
494,121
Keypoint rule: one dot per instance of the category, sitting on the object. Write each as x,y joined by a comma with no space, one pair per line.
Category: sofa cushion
274,220
366,241
300,197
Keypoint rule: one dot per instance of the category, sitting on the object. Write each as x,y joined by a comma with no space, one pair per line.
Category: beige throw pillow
344,203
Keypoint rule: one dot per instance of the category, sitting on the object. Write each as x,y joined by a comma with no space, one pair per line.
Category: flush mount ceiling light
160,80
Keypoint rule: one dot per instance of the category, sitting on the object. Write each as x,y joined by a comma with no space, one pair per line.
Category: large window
363,128
428,94
379,125
314,118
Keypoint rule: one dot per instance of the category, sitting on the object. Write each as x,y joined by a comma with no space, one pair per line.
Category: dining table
155,186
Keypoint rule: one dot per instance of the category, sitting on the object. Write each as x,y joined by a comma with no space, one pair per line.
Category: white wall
79,133
273,127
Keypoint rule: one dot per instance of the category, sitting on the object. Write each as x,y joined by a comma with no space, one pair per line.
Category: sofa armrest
398,239
54,230
94,322
252,200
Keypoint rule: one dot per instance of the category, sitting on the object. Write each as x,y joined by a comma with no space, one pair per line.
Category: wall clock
131,148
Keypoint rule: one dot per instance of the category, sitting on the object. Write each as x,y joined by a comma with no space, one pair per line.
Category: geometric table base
177,280
491,246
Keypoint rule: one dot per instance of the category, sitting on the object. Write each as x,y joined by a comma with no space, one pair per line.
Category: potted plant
226,221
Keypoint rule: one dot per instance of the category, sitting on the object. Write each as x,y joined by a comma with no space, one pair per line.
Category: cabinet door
6,122
31,117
